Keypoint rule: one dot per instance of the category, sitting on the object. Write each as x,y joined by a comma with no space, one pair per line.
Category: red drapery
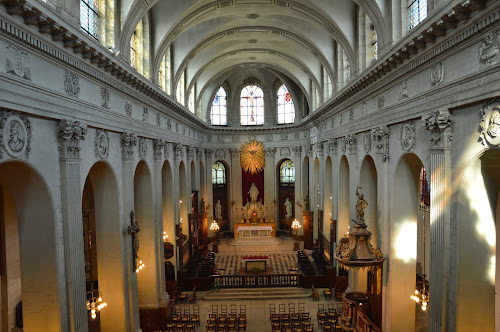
246,182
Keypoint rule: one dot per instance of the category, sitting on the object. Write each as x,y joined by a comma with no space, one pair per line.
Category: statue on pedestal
288,208
218,210
360,208
254,192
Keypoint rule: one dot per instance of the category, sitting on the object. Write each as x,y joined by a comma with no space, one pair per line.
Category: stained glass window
89,17
417,12
286,109
133,50
218,112
425,194
374,43
191,100
327,84
287,172
164,74
181,89
252,106
218,173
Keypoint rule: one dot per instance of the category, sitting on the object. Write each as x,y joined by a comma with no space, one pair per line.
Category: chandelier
214,227
421,294
95,302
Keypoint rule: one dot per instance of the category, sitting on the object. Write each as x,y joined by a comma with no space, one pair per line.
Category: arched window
97,19
374,43
417,12
218,173
139,46
327,84
287,172
286,110
218,112
181,89
164,74
191,98
251,106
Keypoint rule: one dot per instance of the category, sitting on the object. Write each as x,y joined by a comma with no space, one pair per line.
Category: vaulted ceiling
209,39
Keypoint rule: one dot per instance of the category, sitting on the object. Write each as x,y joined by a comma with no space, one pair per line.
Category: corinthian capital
439,124
69,135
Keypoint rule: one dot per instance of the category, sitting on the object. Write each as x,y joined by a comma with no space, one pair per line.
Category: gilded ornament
253,157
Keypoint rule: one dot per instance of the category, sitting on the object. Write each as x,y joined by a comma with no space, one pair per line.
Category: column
129,141
209,154
439,125
69,153
158,148
235,189
270,184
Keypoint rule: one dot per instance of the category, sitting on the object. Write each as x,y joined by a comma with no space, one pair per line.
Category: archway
305,183
328,203
404,242
343,199
143,207
183,201
101,181
318,216
220,194
478,271
27,250
368,182
168,221
202,181
286,193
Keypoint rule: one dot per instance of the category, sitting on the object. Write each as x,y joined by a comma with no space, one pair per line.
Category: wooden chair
195,317
327,293
234,309
183,297
301,307
281,308
291,308
214,309
192,298
223,309
272,309
315,294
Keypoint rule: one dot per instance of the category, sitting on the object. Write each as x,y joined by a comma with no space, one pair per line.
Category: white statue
254,192
218,210
288,208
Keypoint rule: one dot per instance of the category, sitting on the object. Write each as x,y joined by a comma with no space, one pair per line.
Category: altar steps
278,293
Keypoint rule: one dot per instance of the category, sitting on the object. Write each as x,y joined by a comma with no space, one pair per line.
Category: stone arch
343,198
28,224
168,206
328,196
368,181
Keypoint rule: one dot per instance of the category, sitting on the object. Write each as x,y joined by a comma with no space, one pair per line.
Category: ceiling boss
252,157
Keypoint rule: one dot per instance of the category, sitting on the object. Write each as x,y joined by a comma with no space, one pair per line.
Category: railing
365,324
267,280
354,317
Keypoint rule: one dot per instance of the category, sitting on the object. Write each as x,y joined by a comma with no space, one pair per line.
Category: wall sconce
140,265
165,237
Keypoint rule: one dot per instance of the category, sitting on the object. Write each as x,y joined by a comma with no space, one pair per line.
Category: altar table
255,230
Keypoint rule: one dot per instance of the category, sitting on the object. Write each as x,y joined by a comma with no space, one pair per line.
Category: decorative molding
169,124
439,124
209,138
489,126
145,114
129,140
437,74
220,154
403,89
166,150
143,148
352,143
319,149
489,49
158,119
296,135
367,142
284,137
191,152
285,152
101,144
128,108
71,83
69,135
332,146
199,153
308,150
220,138
297,150
158,148
15,134
17,62
342,144
235,153
380,102
381,137
408,135
351,114
105,95
235,138
364,108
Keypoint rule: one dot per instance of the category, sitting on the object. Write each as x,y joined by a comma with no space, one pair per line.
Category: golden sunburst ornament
252,157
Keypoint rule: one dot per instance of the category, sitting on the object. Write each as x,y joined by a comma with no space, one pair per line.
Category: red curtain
246,182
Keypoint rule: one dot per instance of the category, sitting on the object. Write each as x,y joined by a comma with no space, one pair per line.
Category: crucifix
134,230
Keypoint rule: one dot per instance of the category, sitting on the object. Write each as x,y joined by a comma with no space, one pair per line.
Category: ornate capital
308,150
178,151
381,138
234,152
332,146
352,143
191,152
297,150
209,153
220,154
129,140
158,147
319,149
143,148
343,145
439,124
199,153
285,152
69,135
270,152
367,142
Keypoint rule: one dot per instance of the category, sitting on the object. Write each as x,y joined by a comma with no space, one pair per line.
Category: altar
255,230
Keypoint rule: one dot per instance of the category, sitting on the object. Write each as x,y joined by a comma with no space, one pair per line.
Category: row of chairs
214,309
328,318
183,315
291,320
304,263
282,308
320,261
179,327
